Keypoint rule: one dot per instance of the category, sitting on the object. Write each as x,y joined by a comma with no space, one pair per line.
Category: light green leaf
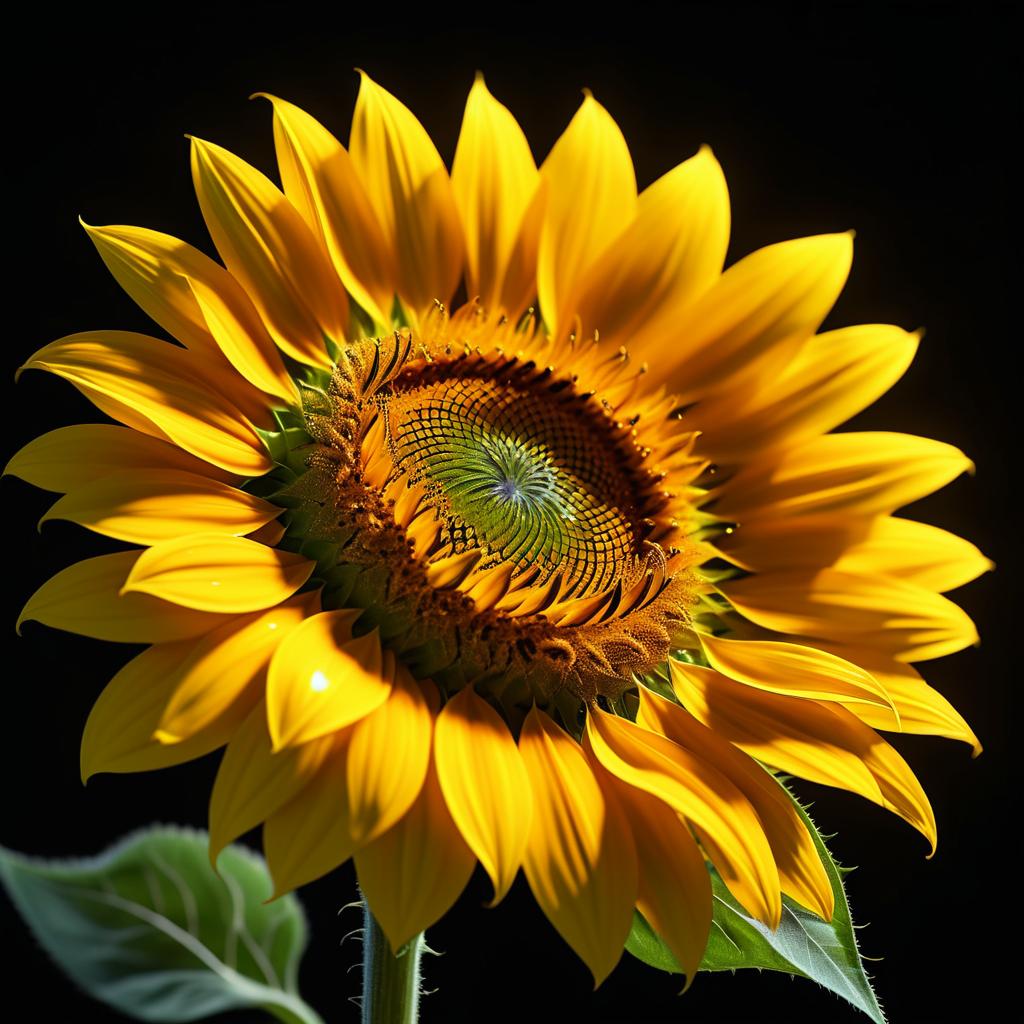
803,944
148,927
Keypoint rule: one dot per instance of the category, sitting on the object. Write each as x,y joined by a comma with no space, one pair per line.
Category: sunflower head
556,581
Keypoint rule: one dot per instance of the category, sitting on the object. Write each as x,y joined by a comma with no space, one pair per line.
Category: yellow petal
249,349
494,182
833,376
366,785
320,181
222,665
923,710
591,199
70,457
907,621
485,785
776,294
801,872
862,473
822,743
254,781
173,282
158,389
152,505
674,884
727,823
86,598
916,552
413,873
409,190
579,859
272,253
120,734
794,669
672,251
322,679
216,573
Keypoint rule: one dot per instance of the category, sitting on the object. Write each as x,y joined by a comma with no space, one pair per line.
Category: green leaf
803,944
148,927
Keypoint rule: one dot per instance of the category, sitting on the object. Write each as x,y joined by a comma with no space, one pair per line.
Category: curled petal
322,679
727,823
214,573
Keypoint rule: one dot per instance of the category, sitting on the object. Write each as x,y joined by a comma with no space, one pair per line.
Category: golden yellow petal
772,296
120,734
367,784
923,710
794,669
272,253
410,192
819,742
674,884
856,473
591,200
413,873
173,282
322,679
916,552
248,349
70,457
725,820
579,859
833,376
86,598
216,573
254,781
147,506
161,390
226,663
494,181
801,872
320,180
672,251
905,620
485,785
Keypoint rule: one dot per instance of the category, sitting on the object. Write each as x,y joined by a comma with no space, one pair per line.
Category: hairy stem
391,983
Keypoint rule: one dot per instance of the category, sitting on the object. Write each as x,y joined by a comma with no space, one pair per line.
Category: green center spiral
524,476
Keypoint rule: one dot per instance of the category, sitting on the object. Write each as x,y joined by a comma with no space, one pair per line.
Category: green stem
391,984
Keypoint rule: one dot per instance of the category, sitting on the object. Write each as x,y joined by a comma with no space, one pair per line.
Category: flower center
504,521
522,475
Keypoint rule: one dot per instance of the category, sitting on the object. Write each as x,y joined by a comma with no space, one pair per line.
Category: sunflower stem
391,982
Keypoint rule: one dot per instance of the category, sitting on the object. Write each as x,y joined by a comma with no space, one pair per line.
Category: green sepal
803,945
148,928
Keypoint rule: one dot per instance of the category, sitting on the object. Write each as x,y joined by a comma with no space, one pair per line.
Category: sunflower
553,576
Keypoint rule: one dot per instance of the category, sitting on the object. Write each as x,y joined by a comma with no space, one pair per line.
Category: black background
894,120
